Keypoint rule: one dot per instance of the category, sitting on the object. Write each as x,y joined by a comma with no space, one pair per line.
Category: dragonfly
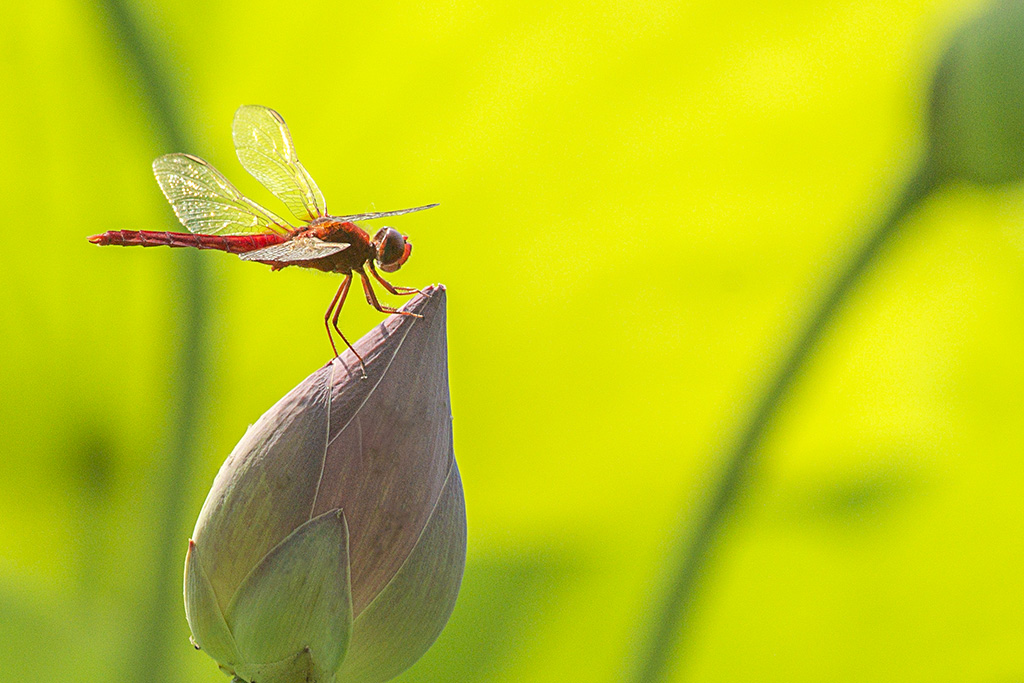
220,217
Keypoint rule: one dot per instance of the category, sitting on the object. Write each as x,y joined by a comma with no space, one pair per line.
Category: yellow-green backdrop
639,203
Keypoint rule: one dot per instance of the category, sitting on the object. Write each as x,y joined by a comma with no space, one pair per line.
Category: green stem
161,611
673,609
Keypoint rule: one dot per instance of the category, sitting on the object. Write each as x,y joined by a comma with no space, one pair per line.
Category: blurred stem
161,610
673,608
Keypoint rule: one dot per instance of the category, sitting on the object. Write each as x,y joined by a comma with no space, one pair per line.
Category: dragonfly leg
327,318
336,304
371,298
399,291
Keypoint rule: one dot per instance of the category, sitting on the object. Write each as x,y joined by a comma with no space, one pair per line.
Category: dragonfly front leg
371,298
398,291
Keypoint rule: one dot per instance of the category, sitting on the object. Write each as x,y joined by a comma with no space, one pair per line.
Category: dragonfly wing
265,148
382,214
299,249
206,202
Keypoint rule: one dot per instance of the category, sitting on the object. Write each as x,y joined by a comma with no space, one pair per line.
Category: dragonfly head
393,249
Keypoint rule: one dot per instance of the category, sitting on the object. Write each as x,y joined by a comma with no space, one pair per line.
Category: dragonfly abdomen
234,244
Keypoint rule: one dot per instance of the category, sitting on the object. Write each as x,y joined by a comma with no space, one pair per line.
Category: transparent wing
299,249
383,214
206,203
265,148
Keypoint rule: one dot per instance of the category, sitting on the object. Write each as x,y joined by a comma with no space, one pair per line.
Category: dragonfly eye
393,249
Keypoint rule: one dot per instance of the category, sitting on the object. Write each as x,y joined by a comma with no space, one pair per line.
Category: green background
639,203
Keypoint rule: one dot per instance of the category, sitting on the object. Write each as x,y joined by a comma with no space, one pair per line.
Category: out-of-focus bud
977,100
331,546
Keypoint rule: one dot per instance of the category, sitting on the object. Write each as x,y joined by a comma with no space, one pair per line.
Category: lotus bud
332,544
977,100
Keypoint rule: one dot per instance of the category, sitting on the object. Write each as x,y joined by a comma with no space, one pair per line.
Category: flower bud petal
297,668
407,616
297,599
264,490
390,446
205,619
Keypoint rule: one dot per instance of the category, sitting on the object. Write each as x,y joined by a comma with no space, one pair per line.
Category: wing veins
374,215
266,150
206,202
298,249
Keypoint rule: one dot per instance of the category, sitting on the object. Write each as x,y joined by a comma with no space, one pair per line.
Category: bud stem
146,63
671,611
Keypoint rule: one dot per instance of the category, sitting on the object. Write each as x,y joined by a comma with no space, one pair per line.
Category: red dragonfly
218,216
